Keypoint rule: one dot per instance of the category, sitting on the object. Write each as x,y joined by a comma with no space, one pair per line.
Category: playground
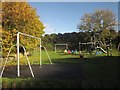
54,47
89,63
66,70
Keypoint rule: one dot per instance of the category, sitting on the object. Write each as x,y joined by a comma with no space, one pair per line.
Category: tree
72,39
19,17
0,40
101,21
49,41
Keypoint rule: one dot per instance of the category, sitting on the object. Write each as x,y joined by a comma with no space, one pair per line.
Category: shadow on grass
79,60
95,72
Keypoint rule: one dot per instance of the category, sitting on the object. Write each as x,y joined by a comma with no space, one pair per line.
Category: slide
101,49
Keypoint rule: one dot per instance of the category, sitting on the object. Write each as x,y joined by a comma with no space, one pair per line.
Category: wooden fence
15,84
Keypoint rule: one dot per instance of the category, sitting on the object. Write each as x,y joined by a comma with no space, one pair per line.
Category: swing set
18,54
90,47
60,47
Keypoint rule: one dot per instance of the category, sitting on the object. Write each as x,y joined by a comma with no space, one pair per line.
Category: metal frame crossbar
18,59
18,44
59,45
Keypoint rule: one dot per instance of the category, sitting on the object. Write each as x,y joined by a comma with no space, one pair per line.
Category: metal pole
28,35
55,48
18,67
79,46
6,61
28,61
66,46
47,55
40,53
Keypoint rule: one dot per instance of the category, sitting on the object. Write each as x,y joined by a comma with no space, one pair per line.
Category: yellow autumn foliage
19,17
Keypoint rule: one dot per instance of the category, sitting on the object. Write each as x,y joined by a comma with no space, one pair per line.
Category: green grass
35,58
99,70
102,69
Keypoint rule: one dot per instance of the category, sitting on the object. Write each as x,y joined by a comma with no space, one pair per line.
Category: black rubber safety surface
54,71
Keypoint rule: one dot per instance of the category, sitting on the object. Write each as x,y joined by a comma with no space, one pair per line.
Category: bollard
31,84
4,85
13,84
22,85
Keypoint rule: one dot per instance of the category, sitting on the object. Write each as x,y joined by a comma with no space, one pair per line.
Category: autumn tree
0,29
101,21
20,17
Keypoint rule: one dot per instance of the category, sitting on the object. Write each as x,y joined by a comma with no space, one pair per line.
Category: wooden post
4,85
31,84
13,84
22,84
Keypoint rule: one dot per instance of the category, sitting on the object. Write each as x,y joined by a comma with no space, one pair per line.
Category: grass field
101,71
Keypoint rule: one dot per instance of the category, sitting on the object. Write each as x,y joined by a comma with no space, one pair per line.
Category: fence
56,84
15,84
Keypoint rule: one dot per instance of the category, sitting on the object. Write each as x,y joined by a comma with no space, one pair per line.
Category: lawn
100,71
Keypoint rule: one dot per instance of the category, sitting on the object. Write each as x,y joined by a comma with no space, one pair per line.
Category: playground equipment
86,46
119,46
98,52
101,49
90,46
109,46
69,52
60,47
65,51
18,53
